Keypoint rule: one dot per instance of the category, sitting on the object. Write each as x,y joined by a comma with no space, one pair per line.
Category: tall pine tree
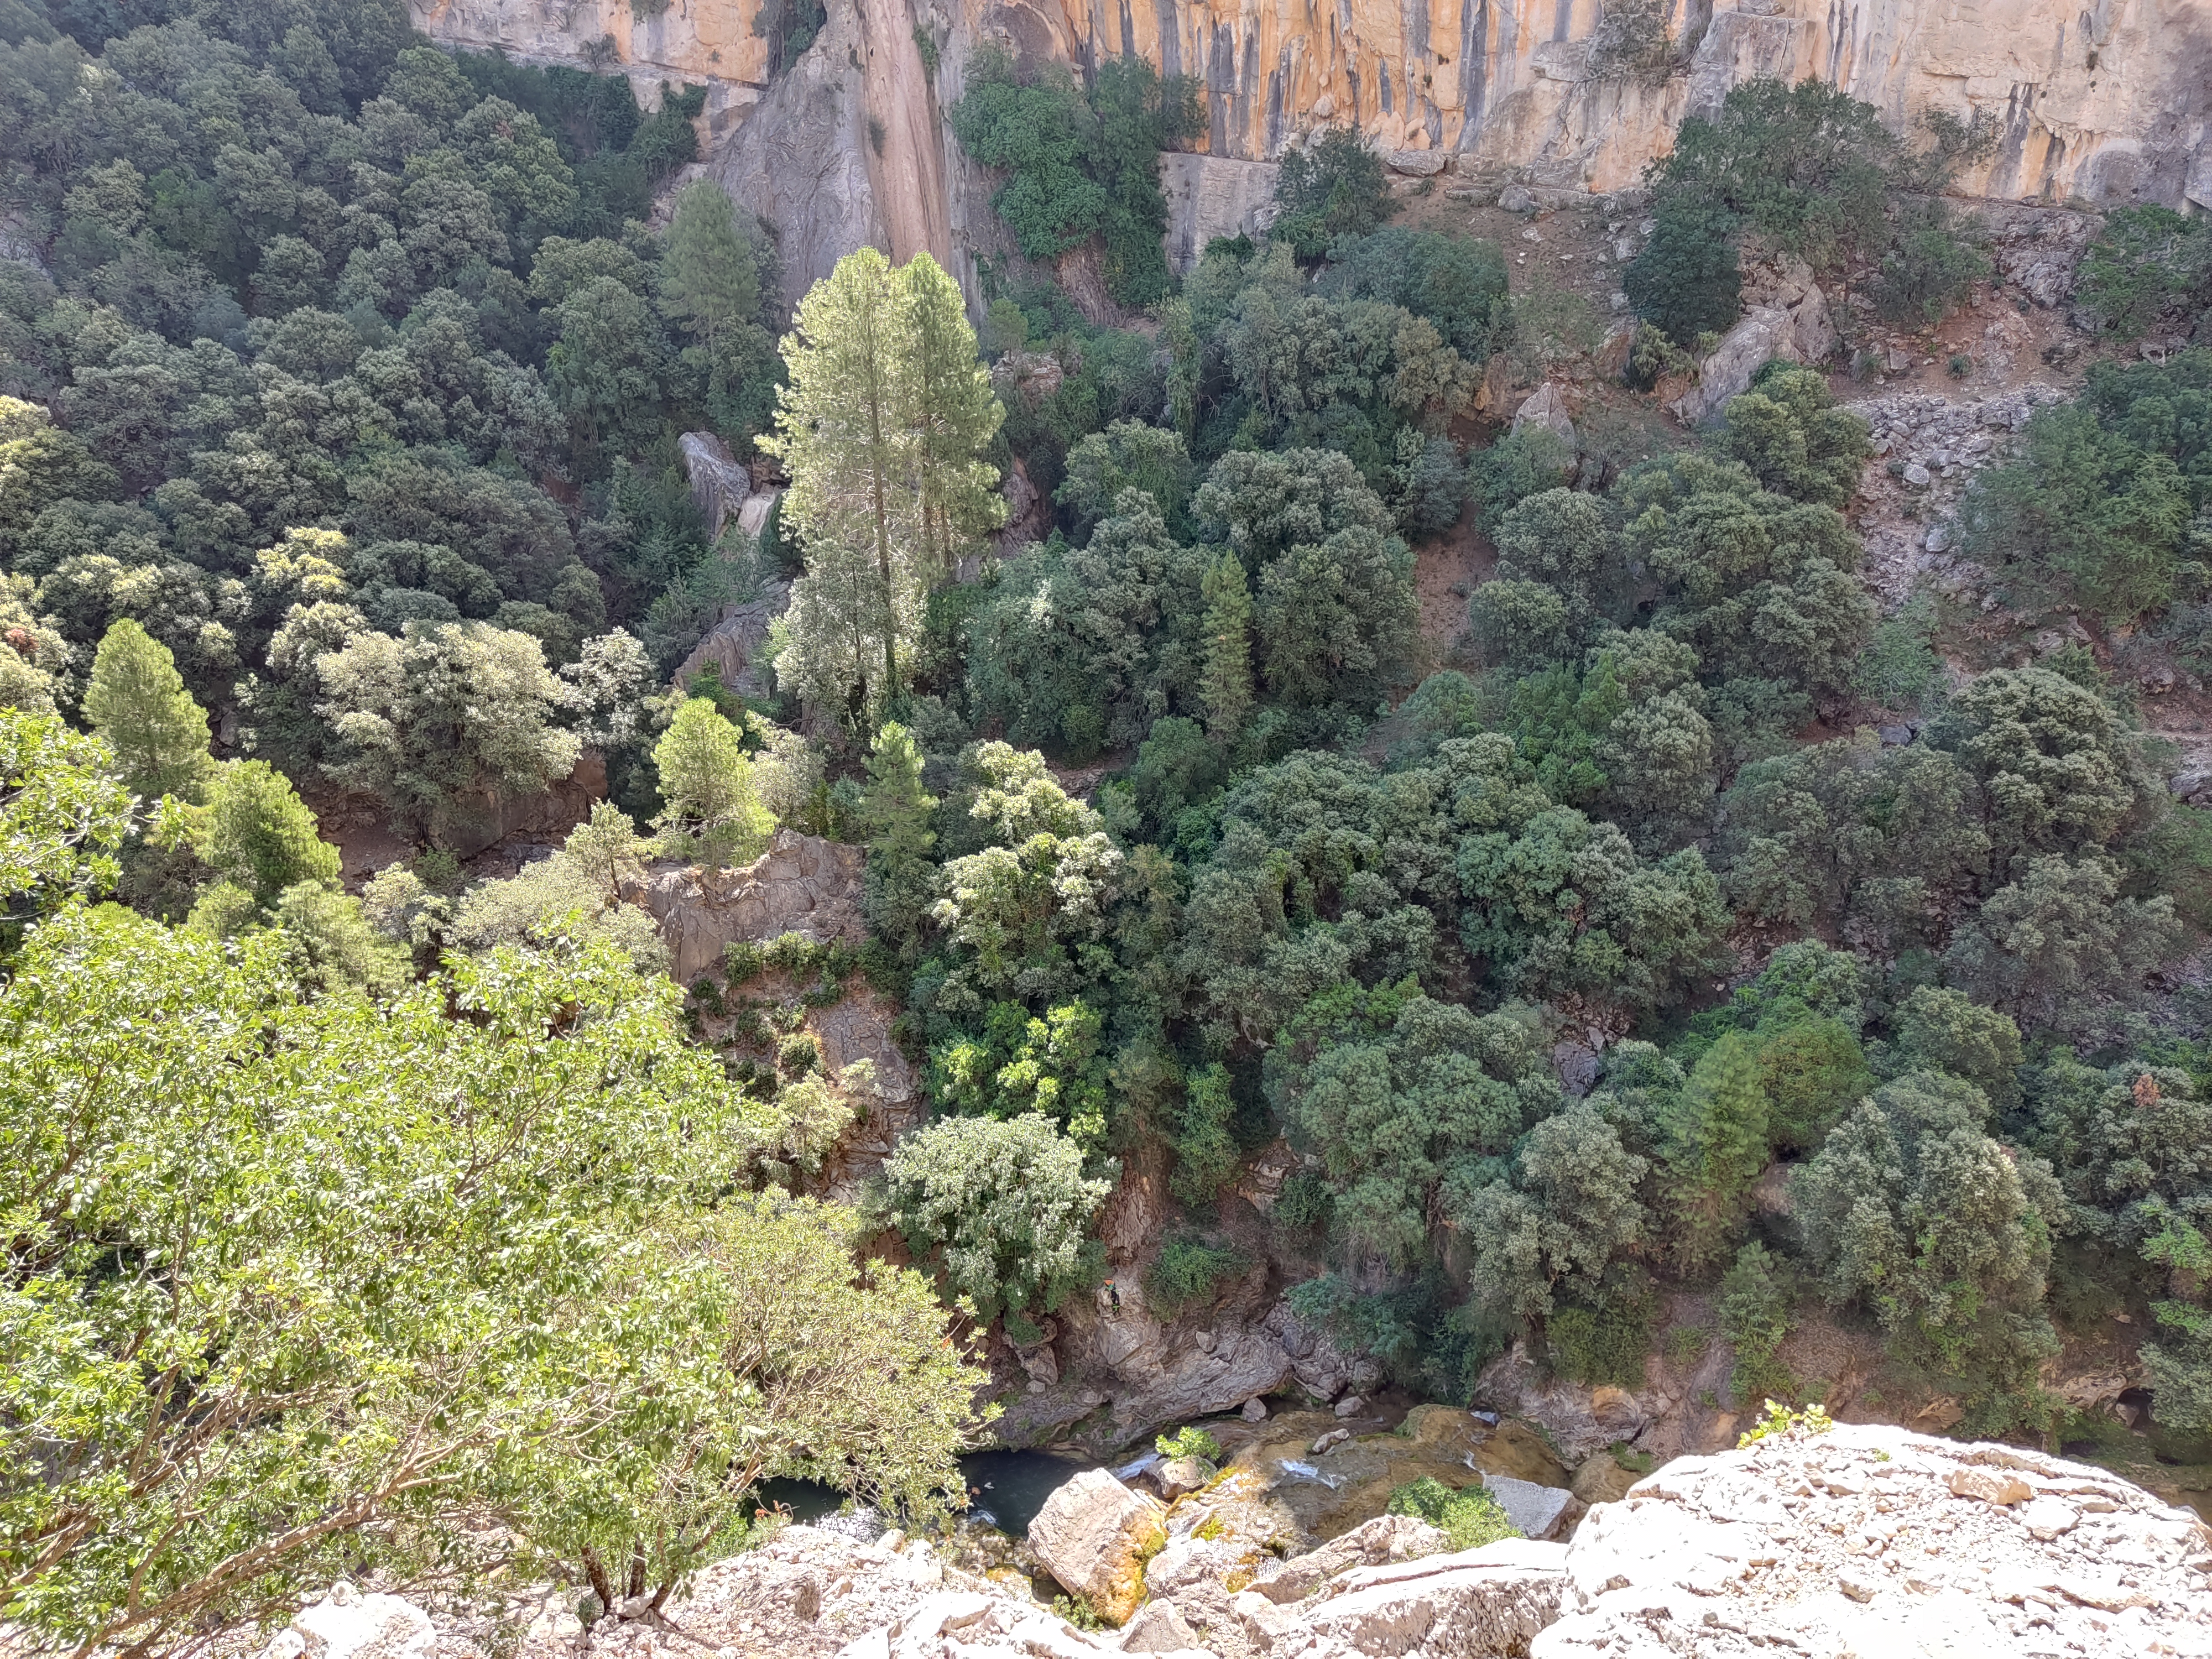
1225,680
138,704
881,429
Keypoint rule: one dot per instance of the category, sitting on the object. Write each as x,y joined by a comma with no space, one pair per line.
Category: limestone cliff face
2108,103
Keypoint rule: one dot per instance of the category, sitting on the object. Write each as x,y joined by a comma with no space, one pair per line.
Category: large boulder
734,644
719,487
1094,1535
1789,321
1491,1600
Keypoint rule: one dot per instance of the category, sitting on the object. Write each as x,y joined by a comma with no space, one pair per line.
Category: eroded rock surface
1871,1539
1095,1536
802,884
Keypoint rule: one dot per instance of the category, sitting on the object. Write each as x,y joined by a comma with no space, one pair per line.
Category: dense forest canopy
341,381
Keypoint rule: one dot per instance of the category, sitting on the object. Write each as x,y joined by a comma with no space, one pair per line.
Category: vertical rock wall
2108,103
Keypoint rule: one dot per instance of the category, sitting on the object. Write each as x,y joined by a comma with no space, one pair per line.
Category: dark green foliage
2147,263
1601,1345
1206,1150
1456,282
2104,503
1080,164
1796,442
1757,1309
1686,283
1333,187
1518,465
1930,267
1912,1209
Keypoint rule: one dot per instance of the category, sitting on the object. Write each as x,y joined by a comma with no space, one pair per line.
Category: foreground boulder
1095,1536
1870,1540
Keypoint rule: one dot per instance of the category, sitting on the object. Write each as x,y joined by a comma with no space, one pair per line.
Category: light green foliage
1127,455
707,778
1470,1516
35,668
1050,1065
2100,508
137,702
2058,939
1022,914
63,815
881,427
2146,261
1333,187
1189,1441
1900,669
1779,1422
1853,830
257,833
1567,1210
500,1291
330,942
1205,1152
575,894
1796,442
1758,1311
1911,1209
707,280
452,707
1001,1206
1395,1092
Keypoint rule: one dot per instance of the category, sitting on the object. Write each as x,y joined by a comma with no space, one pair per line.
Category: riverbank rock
1095,1536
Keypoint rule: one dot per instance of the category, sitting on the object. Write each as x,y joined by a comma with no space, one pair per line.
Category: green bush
1333,188
1470,1517
1928,268
1190,1270
1601,1345
2147,262
1686,281
1189,1441
1758,1305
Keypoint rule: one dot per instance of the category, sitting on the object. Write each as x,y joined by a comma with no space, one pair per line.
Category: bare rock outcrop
1787,319
802,884
1873,1539
734,644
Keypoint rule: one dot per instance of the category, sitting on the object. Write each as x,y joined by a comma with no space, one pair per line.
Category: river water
1006,1490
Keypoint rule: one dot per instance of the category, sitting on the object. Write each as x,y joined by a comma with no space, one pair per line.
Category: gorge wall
2110,101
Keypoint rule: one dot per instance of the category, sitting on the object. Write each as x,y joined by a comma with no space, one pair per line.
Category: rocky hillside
1854,1539
2105,104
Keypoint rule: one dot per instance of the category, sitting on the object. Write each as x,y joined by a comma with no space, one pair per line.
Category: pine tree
138,704
1716,1145
895,810
258,835
708,281
838,435
954,417
881,429
1225,681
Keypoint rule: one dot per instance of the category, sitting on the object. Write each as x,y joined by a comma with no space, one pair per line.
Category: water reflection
1006,1490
